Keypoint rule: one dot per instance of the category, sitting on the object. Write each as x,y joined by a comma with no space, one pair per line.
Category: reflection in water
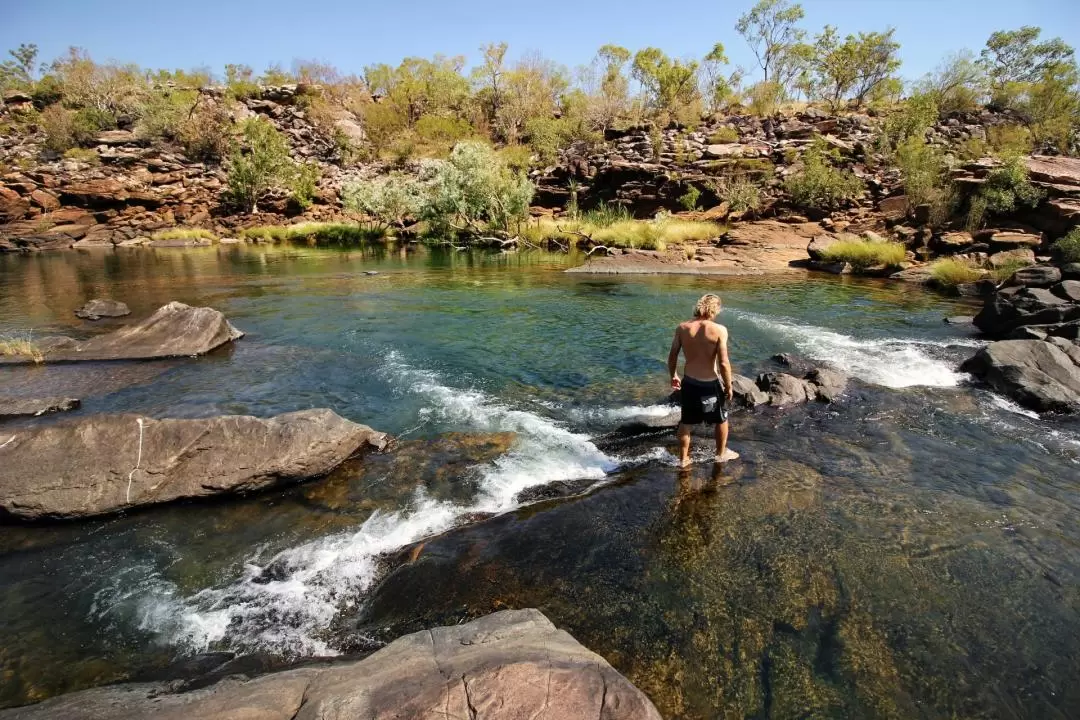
912,551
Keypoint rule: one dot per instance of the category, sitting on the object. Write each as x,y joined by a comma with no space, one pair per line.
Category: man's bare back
701,341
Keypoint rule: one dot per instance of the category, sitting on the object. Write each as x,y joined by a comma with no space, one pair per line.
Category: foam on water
286,603
890,362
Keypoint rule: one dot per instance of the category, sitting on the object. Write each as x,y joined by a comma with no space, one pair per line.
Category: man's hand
676,383
729,393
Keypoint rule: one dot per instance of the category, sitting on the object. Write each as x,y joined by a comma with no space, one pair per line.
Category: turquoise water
858,558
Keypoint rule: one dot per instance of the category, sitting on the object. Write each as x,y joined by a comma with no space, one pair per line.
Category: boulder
512,664
1012,257
106,463
1067,290
1007,310
1013,240
1071,271
32,407
818,245
98,308
175,330
12,205
1055,170
894,208
784,389
1041,276
918,274
953,242
746,393
828,383
1037,374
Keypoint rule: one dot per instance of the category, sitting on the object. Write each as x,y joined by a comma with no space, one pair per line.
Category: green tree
1016,58
260,162
474,187
958,83
488,78
668,84
855,67
613,92
20,71
770,28
717,88
819,185
419,87
387,201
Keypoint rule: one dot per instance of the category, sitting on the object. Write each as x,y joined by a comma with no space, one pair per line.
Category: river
911,551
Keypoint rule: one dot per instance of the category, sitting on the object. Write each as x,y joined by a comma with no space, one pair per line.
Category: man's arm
673,360
725,363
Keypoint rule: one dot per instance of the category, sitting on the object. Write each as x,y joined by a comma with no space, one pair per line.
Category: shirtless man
704,343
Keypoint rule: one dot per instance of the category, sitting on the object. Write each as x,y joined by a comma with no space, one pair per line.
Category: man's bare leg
722,452
684,445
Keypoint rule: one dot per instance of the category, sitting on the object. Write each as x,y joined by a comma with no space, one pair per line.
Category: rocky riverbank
513,663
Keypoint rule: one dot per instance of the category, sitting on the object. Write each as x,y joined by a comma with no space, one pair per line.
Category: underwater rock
511,664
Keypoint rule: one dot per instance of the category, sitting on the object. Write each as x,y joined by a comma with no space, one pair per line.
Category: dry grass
862,254
948,273
655,234
185,233
20,347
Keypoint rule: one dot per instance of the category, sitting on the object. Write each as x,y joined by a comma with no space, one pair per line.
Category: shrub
862,254
1008,186
387,201
165,113
948,273
546,136
66,129
724,135
261,162
83,155
819,185
1068,247
205,135
741,196
1009,140
1006,270
689,200
304,183
472,187
765,98
517,157
914,118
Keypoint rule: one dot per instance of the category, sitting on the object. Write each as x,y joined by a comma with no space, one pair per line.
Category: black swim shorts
702,402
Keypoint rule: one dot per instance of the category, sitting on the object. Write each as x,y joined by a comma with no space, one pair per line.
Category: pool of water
911,551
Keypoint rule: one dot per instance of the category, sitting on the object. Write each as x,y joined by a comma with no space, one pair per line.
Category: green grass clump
1069,246
20,347
862,254
1006,271
184,233
606,215
948,273
724,135
315,232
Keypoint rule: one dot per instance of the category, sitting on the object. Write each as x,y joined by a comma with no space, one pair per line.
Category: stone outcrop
33,407
175,330
98,308
1038,374
107,463
512,664
1029,305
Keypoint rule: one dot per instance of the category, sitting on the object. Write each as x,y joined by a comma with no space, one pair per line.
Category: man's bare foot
728,456
684,463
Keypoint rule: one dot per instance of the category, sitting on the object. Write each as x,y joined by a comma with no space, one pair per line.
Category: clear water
911,551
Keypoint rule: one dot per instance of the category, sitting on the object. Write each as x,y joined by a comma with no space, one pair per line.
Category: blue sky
350,35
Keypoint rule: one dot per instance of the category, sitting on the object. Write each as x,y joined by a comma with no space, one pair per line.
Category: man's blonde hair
707,307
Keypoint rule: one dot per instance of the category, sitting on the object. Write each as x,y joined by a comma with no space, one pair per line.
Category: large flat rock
106,463
509,665
33,407
175,330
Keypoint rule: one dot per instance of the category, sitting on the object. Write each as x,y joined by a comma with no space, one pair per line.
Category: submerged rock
1041,375
32,407
97,309
175,330
512,664
106,463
